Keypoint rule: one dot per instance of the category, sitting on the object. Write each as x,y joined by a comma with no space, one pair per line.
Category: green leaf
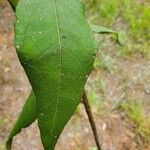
56,48
27,116
104,30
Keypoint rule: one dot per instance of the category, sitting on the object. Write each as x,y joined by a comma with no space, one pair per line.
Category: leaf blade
104,30
26,117
29,108
58,70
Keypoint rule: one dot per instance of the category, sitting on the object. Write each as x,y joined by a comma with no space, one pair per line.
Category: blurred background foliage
130,16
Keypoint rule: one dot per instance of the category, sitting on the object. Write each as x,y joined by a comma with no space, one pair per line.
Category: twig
91,120
13,7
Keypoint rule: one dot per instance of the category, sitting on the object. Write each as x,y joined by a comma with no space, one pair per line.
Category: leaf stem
12,5
91,119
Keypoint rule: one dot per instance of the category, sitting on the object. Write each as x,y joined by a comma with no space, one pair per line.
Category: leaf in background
27,116
104,30
56,48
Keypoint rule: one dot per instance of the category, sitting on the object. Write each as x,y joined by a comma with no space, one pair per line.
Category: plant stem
13,7
91,120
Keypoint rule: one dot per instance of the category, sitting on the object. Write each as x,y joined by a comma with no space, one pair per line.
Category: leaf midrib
60,51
